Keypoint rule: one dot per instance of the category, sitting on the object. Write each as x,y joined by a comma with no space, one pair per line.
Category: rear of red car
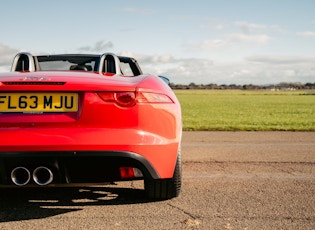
72,127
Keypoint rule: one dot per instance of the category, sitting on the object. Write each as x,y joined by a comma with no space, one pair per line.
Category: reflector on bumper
128,172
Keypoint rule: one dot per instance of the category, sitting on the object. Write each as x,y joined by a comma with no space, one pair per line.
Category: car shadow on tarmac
36,203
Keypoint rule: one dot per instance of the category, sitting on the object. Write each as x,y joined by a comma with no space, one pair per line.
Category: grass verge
238,110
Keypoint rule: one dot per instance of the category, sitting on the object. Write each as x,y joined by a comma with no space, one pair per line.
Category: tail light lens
125,99
129,99
153,98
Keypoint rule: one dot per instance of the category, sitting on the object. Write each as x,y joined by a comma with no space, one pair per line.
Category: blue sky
200,41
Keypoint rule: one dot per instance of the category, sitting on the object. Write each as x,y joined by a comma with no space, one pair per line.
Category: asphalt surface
231,180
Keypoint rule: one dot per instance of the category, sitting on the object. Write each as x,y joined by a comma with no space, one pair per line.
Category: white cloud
307,34
228,41
259,38
281,60
248,27
213,24
219,26
98,47
179,70
253,70
167,58
7,54
207,45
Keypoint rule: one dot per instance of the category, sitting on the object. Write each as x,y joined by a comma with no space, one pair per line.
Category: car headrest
79,67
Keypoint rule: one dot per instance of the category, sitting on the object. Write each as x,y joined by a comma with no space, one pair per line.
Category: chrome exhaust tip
20,176
43,176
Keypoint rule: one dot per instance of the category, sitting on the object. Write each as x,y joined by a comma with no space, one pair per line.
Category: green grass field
232,110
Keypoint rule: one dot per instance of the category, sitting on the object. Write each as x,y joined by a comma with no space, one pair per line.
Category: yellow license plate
38,102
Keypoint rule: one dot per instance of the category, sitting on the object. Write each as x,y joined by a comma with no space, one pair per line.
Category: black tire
162,189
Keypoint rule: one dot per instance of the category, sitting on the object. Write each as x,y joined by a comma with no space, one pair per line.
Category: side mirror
165,79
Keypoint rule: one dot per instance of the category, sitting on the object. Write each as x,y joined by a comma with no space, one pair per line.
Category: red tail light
125,99
129,99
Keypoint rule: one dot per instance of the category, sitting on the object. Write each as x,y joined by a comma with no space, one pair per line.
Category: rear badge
35,79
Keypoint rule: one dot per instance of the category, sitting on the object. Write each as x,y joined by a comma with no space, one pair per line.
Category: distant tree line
280,86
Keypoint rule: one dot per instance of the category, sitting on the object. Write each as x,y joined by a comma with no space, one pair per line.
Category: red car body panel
150,130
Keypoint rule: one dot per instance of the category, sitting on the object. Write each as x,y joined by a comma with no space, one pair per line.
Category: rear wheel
161,189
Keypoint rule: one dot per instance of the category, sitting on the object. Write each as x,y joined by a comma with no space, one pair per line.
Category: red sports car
87,119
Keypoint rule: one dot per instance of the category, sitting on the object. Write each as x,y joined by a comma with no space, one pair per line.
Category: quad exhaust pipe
41,175
20,176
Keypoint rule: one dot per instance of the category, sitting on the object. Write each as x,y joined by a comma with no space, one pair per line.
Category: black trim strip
124,154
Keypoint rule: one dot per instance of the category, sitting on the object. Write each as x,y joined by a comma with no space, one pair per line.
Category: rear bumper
82,150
